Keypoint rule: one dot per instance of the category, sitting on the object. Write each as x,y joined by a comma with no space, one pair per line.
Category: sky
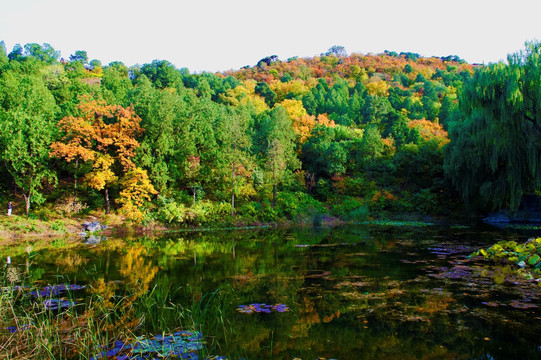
219,35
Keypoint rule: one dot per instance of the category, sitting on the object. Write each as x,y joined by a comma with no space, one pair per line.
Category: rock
522,264
529,212
93,239
497,218
93,226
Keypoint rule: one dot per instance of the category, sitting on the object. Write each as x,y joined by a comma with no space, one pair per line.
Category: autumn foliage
322,131
104,136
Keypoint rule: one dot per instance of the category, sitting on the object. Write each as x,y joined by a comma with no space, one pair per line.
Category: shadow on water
353,292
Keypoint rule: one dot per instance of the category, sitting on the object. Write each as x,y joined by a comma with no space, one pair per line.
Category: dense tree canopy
276,140
495,154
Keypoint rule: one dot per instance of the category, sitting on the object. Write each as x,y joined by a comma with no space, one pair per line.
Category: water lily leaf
534,259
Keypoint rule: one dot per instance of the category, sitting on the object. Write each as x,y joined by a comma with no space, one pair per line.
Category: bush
58,225
426,201
250,210
203,212
351,208
381,200
70,205
298,205
170,211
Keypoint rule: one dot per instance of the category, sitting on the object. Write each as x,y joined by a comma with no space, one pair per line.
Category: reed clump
81,322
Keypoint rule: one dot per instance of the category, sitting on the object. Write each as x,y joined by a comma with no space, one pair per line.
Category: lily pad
182,344
56,304
261,308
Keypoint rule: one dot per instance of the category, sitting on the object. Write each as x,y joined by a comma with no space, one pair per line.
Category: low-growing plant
58,225
70,205
171,211
298,205
351,208
53,323
525,257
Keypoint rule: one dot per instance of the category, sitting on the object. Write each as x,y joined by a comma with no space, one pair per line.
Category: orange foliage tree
104,136
302,122
430,130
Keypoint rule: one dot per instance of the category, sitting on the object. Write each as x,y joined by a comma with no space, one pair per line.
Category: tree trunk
273,195
75,178
194,190
26,204
233,190
107,203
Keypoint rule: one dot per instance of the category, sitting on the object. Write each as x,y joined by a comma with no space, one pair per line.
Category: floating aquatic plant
15,288
522,305
397,223
527,256
56,290
14,329
182,344
56,304
262,308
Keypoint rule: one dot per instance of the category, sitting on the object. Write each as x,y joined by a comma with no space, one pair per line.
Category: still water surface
355,292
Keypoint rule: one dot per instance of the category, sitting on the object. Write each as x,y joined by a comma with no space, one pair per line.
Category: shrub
58,225
70,205
298,205
203,212
170,211
351,208
426,201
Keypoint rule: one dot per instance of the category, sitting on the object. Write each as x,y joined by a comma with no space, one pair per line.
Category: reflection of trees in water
118,298
349,293
137,271
72,261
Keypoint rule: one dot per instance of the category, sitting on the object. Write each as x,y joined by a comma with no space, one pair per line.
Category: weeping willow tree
494,157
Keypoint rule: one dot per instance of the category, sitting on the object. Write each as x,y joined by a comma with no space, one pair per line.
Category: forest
346,136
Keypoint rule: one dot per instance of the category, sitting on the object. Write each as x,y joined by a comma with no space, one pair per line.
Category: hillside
349,136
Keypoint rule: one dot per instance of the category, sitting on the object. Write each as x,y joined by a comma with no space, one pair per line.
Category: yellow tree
104,136
302,122
136,188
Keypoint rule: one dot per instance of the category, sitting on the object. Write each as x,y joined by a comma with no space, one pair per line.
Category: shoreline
16,227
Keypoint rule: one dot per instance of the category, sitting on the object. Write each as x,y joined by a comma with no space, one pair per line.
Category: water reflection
354,292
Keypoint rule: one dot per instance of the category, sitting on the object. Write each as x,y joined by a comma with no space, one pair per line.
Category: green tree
27,128
495,151
3,55
337,50
80,55
16,53
325,154
449,111
263,89
158,110
234,144
44,52
278,150
116,84
371,146
162,74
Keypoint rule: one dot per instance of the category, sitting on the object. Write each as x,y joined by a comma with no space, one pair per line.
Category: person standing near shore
10,208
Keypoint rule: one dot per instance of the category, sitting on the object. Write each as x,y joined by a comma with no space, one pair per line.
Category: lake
351,292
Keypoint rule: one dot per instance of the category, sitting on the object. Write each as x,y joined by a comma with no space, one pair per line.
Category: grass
109,313
49,225
396,223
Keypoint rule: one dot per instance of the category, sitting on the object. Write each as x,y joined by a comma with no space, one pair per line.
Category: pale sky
218,35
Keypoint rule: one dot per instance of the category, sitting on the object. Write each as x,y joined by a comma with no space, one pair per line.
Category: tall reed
29,330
